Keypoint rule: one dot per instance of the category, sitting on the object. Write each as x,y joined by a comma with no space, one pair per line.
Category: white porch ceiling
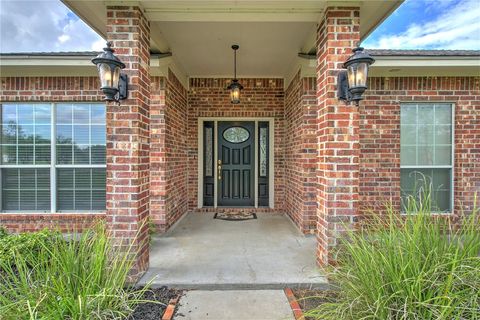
199,33
266,48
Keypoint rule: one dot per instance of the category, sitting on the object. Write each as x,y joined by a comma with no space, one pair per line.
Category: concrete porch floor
205,253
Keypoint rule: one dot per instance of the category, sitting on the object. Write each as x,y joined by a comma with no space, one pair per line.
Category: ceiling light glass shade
235,87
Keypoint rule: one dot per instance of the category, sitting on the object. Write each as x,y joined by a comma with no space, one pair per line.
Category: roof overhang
94,13
398,66
199,33
385,66
78,66
403,66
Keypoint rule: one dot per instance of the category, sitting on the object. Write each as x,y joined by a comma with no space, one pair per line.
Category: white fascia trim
28,66
46,61
425,66
415,61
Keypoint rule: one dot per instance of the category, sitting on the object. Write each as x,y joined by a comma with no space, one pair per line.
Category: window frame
53,166
433,166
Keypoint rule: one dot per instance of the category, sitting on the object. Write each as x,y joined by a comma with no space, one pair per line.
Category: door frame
271,157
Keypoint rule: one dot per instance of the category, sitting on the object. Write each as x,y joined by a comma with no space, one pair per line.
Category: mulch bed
154,311
311,299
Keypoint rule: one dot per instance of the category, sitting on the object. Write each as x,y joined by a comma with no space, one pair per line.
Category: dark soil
311,299
154,311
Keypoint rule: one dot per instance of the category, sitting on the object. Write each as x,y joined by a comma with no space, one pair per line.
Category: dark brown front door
235,166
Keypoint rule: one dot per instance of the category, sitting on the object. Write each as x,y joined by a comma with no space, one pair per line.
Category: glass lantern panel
235,95
105,74
362,70
116,76
352,75
357,74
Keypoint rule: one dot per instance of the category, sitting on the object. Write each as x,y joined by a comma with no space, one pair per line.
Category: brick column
338,132
158,154
128,135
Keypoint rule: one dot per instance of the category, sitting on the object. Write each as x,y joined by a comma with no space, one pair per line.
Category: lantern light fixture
113,83
235,87
352,83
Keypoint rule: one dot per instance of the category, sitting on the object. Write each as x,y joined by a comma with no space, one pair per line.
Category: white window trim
271,155
452,166
53,165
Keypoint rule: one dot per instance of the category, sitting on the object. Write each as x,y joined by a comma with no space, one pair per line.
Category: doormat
235,216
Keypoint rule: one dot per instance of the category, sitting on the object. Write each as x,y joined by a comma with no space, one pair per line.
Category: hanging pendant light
235,87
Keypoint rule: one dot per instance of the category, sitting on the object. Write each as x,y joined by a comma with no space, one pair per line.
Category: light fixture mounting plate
235,47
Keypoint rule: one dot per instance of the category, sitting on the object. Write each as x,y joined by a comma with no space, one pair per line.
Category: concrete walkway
205,253
234,305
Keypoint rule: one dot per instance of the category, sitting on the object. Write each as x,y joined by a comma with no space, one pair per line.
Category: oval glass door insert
236,134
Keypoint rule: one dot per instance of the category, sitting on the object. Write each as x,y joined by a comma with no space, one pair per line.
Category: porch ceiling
266,48
199,33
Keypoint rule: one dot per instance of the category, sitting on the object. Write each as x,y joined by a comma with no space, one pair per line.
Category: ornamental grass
414,265
48,277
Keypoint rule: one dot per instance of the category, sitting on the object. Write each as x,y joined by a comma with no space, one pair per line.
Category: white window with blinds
52,157
426,153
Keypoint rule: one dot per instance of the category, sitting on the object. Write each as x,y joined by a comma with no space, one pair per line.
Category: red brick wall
176,150
338,132
301,152
37,89
158,158
260,98
64,222
78,89
380,135
168,151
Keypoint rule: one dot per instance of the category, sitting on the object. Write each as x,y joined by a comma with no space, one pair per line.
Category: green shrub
85,278
29,244
411,266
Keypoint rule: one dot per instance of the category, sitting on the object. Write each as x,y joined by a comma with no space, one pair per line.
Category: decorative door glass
236,134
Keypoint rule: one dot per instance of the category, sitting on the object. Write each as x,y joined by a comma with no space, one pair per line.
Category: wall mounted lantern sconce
235,87
352,83
113,83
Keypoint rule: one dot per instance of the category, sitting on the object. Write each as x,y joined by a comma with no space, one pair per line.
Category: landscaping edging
297,311
170,310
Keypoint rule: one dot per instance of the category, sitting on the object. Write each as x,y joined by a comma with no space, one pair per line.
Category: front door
235,164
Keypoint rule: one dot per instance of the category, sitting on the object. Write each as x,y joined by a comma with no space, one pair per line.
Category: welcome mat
235,216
